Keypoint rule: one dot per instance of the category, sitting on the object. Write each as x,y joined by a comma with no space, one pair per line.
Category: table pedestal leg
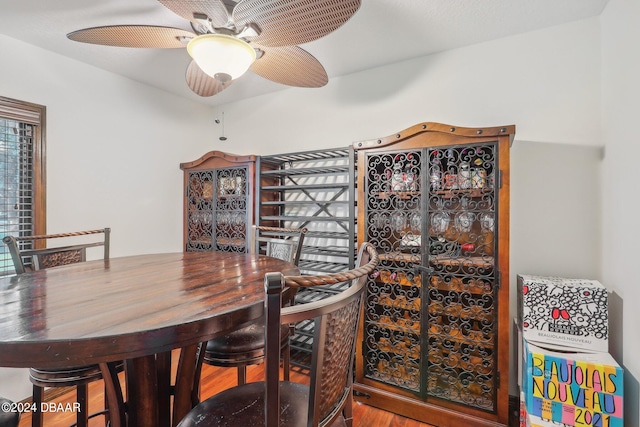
142,393
149,388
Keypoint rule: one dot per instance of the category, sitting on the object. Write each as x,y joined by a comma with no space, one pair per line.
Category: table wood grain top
128,307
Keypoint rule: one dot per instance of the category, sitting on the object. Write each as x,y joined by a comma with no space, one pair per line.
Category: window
22,177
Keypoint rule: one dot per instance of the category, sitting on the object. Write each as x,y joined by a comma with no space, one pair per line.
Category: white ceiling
381,32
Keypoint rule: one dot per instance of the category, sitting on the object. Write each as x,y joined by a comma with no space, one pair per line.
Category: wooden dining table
137,309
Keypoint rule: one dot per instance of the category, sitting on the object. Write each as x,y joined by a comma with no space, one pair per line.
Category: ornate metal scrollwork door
430,312
460,312
218,210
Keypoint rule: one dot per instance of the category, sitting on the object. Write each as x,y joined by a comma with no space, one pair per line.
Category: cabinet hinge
498,279
500,178
498,379
361,394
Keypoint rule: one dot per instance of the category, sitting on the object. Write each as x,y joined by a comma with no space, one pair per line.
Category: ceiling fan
230,37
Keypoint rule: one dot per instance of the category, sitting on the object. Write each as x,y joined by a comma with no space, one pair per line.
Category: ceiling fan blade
290,65
144,36
293,22
203,84
214,9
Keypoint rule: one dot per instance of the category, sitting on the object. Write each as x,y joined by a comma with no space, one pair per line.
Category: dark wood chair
245,346
279,242
28,255
328,399
11,417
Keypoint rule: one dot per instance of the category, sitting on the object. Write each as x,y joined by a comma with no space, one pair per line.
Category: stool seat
8,419
246,346
243,345
63,377
79,377
326,400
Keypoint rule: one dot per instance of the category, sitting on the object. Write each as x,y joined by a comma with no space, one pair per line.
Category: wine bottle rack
313,190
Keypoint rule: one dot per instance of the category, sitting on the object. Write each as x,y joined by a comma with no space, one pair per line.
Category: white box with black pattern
570,314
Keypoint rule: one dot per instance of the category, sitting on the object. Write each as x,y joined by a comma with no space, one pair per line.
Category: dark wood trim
514,411
40,177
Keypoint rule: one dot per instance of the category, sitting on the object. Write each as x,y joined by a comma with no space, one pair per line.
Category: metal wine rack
315,190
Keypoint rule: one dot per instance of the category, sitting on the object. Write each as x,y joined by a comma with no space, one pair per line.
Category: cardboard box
518,341
569,313
522,421
527,420
575,388
533,421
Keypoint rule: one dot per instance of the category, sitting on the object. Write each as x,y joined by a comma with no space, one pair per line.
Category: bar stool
246,346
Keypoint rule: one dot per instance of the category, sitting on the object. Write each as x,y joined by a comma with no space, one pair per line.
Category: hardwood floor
214,379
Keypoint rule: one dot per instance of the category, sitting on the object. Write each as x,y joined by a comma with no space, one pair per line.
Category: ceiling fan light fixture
221,56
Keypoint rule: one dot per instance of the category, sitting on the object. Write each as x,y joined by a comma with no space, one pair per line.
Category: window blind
18,123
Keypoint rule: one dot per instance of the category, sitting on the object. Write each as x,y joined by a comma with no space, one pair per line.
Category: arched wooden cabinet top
227,157
426,128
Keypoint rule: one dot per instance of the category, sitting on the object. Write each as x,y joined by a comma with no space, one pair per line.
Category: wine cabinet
434,200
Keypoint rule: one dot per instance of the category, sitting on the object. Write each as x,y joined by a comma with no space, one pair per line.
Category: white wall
546,82
555,210
113,153
621,201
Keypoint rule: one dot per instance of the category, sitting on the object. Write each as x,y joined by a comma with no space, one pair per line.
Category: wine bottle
464,175
397,183
387,184
451,172
479,171
410,174
435,176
